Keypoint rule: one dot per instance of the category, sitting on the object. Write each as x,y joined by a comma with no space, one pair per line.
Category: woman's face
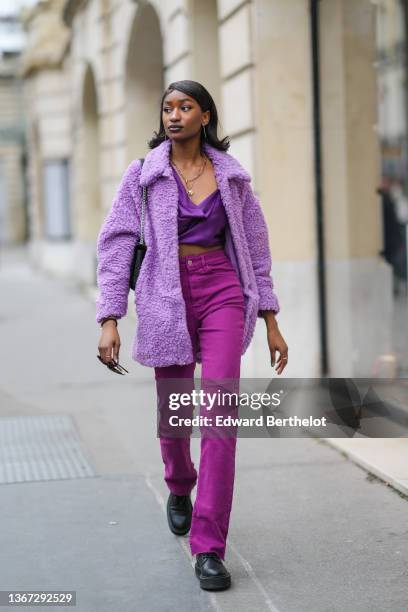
182,111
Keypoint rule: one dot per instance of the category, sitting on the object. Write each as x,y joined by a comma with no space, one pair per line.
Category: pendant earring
205,133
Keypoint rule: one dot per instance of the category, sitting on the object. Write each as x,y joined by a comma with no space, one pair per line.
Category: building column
284,175
358,280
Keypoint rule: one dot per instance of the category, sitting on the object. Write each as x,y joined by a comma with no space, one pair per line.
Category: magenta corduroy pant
215,318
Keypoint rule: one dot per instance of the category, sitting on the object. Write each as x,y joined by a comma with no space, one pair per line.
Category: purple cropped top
203,223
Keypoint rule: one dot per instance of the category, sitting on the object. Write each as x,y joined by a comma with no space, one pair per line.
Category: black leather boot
179,513
211,572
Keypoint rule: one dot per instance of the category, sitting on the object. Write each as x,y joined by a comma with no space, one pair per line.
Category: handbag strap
144,200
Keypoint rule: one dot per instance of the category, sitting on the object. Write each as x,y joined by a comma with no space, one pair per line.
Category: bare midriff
195,249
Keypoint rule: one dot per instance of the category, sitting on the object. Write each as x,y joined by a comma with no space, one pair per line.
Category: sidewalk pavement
309,529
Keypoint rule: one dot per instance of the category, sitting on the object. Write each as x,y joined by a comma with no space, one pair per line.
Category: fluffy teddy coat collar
157,163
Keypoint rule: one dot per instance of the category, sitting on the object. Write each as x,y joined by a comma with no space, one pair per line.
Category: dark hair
203,98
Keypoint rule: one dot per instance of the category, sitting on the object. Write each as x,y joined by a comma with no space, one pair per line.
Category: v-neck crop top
203,223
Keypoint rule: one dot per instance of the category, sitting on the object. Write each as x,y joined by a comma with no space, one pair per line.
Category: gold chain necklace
189,190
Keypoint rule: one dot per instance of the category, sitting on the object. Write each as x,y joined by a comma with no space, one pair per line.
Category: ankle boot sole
213,583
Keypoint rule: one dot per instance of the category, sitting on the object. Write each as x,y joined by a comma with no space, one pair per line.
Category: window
56,199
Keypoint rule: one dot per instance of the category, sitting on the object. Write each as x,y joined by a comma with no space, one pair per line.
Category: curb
357,456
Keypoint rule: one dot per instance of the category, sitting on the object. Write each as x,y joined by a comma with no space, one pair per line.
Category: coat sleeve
256,231
115,246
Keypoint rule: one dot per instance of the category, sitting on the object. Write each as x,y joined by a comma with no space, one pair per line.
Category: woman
204,281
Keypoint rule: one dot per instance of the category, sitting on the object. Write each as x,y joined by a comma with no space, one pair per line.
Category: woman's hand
109,342
276,342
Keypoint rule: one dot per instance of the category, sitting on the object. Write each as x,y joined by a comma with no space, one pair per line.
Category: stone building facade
48,109
13,195
93,102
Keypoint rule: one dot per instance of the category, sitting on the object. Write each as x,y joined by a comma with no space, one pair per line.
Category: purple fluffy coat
162,336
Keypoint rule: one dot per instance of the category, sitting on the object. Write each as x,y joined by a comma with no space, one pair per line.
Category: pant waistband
192,261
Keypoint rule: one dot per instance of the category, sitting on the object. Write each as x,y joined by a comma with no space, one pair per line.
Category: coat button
189,261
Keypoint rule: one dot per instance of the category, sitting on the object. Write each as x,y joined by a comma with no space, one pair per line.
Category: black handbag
141,247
